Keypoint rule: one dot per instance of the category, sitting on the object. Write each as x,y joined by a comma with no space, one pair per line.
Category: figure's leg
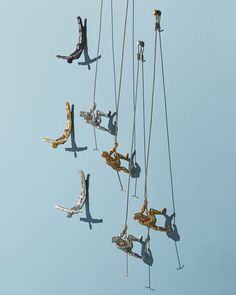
100,113
121,157
122,168
162,229
134,239
157,212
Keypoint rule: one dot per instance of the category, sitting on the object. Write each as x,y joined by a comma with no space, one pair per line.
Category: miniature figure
80,45
80,202
149,219
67,131
113,159
94,117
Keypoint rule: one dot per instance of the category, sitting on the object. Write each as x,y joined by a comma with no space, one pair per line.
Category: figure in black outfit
80,45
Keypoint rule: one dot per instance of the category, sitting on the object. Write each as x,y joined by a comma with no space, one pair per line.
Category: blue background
43,252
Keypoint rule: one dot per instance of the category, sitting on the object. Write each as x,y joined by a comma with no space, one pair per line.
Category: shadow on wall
87,59
88,217
173,235
74,148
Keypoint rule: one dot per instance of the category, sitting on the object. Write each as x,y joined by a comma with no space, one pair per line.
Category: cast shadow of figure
146,253
134,167
88,217
74,148
112,124
173,235
87,60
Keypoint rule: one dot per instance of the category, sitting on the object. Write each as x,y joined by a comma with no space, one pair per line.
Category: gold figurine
149,219
67,131
113,159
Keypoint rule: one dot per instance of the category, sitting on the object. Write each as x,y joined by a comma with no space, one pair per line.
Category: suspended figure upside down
67,131
149,219
80,202
125,243
94,117
80,45
113,159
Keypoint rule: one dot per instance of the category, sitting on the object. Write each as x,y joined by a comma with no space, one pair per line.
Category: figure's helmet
54,145
69,60
136,216
105,154
115,240
69,214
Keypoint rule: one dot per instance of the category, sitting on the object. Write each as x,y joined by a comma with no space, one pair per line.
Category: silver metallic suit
80,202
94,117
125,243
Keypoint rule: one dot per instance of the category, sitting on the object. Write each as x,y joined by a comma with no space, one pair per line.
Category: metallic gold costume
113,159
149,219
67,131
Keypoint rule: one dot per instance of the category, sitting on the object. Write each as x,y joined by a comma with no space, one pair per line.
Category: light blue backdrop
43,252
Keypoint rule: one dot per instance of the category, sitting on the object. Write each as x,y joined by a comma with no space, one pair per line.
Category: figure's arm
113,150
144,208
124,231
62,208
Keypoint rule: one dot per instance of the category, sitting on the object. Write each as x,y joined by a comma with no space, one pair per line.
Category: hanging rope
180,266
121,70
151,111
113,53
140,53
167,127
96,69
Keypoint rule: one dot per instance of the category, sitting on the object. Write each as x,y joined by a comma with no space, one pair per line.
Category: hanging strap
121,70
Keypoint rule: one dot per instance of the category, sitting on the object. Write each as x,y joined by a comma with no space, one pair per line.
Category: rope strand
151,113
121,70
96,69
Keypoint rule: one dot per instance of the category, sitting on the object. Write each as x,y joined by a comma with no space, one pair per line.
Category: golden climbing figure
113,159
67,131
149,219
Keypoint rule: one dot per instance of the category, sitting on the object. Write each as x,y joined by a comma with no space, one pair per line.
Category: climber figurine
94,117
149,219
80,202
67,131
157,14
80,45
125,243
113,159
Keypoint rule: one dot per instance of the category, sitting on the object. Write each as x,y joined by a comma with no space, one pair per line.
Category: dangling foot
140,239
163,211
127,157
109,114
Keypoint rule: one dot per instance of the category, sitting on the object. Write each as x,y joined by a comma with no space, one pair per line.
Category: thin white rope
96,69
121,70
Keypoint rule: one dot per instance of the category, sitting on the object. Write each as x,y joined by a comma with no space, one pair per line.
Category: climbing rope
151,111
167,126
168,144
140,53
96,69
121,70
113,53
